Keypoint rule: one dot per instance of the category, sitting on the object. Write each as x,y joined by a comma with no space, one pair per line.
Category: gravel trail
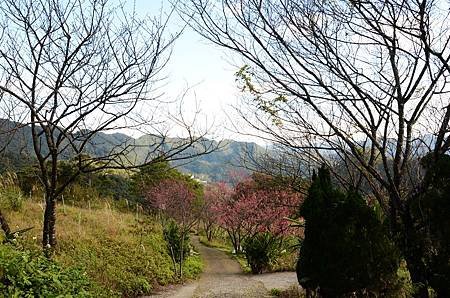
223,277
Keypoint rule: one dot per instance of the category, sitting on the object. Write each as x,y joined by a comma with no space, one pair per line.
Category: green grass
291,292
123,253
216,243
275,292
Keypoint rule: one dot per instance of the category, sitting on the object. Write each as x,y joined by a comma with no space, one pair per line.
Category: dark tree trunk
418,272
49,231
209,235
4,224
234,241
413,250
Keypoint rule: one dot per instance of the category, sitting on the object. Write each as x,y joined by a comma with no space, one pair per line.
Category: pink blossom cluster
252,208
174,198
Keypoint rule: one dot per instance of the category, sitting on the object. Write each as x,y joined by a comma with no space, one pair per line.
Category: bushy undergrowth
192,267
25,274
123,253
11,196
261,251
178,247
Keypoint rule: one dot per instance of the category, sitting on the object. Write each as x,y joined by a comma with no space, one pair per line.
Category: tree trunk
174,260
234,241
209,232
182,254
5,226
49,232
417,270
413,251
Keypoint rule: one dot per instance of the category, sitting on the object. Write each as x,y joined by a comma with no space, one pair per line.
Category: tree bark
4,224
49,230
413,252
182,254
418,276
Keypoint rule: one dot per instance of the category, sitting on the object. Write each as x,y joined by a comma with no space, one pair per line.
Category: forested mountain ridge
216,166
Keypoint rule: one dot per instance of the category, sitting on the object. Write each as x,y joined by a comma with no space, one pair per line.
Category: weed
25,274
11,197
122,255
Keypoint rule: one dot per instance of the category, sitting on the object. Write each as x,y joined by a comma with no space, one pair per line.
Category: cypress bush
345,247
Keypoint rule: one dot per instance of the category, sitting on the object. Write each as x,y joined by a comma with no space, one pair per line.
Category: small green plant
275,292
11,196
293,291
24,274
192,267
177,245
179,248
261,250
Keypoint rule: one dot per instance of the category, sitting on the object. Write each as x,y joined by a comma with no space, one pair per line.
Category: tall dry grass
124,255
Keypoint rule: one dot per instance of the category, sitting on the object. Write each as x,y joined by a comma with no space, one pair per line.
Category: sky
204,68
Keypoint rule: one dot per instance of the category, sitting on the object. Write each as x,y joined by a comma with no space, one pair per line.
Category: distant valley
215,166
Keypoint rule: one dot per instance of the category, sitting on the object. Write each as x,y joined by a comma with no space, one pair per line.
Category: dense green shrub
85,187
431,213
114,185
345,248
192,267
24,274
28,180
261,250
179,248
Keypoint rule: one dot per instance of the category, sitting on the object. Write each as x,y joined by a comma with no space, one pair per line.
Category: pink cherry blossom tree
254,208
214,195
174,199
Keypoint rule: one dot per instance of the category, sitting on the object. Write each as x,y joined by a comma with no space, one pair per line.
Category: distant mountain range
215,166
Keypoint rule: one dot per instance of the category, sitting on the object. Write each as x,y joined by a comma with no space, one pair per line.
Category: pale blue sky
200,65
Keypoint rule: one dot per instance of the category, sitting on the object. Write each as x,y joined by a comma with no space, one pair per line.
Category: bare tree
71,71
364,81
282,162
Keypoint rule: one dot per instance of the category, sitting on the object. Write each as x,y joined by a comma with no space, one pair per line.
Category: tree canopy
360,83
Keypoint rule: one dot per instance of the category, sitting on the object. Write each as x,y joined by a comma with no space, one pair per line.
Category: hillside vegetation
120,249
212,167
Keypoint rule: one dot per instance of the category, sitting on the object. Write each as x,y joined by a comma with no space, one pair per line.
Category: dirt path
223,277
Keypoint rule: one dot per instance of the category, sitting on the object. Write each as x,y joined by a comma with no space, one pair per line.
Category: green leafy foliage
345,248
275,292
271,105
24,274
107,183
115,184
123,253
431,214
151,175
178,247
192,267
261,251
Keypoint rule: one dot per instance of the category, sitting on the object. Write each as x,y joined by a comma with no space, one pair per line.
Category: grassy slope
124,254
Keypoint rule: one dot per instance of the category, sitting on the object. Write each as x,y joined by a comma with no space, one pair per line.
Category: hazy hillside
218,165
211,167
